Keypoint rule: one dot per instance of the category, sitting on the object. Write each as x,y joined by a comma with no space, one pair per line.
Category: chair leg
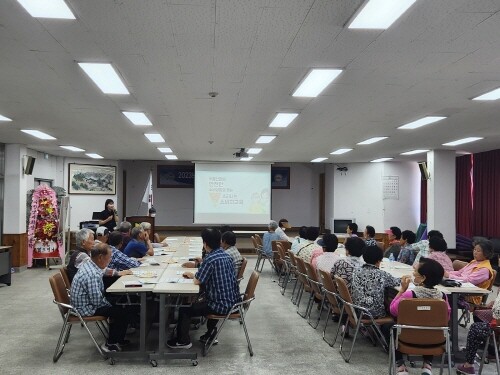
293,291
299,296
392,356
102,329
320,313
348,358
68,333
250,350
93,339
63,337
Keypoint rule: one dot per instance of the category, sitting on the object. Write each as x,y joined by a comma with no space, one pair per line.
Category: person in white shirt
299,240
282,225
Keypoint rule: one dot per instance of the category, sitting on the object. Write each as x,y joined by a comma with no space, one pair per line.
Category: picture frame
175,176
91,179
280,177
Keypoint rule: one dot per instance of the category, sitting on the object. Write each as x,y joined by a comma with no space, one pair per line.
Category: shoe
426,370
173,344
465,370
106,348
402,370
207,337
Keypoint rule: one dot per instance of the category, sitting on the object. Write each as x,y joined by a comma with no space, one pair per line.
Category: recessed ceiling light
154,137
72,148
254,151
137,118
282,120
462,141
248,158
37,133
171,157
315,82
3,118
380,160
340,151
165,149
265,139
492,95
94,156
372,140
380,14
105,77
47,9
422,122
414,152
318,160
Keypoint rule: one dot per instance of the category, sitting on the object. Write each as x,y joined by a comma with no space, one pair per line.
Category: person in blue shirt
269,237
140,245
216,275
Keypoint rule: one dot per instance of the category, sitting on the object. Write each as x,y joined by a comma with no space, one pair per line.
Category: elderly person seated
344,267
422,247
369,283
269,237
283,224
437,252
125,228
369,236
139,245
102,234
394,244
352,230
406,254
326,258
120,261
156,239
299,240
306,250
228,243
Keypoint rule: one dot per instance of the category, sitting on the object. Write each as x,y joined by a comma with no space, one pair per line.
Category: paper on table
145,281
178,280
132,283
468,285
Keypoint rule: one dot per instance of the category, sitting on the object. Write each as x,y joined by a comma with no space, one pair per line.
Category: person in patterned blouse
369,235
306,250
344,267
369,283
407,254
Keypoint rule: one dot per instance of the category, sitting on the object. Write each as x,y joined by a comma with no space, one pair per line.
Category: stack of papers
144,274
132,283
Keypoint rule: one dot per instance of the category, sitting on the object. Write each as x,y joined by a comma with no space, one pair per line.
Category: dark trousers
184,321
120,318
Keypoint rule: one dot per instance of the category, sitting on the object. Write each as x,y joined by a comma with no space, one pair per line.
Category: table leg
454,323
163,324
142,322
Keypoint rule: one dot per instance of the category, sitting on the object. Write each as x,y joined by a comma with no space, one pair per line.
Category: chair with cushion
317,293
64,274
304,285
285,269
237,312
332,297
422,329
71,316
261,255
293,273
357,317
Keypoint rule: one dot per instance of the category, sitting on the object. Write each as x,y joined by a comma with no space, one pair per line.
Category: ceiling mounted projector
241,154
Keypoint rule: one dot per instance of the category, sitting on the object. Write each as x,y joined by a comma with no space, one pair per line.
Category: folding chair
293,272
241,271
357,317
284,266
237,312
332,297
468,305
422,329
493,333
316,293
64,274
71,316
304,284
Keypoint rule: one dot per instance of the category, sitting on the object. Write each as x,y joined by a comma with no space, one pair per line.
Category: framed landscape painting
92,179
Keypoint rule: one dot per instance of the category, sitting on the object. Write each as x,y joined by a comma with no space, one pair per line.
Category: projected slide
230,193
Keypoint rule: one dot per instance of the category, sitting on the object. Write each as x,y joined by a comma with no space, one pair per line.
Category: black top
110,224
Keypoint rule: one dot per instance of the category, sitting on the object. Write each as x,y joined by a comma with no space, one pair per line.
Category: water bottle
391,261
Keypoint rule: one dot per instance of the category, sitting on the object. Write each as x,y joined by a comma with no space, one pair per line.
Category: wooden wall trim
19,243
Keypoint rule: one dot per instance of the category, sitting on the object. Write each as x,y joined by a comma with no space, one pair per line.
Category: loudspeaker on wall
424,172
30,164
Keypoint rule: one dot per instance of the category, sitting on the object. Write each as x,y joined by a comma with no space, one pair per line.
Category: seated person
87,297
140,245
120,261
422,246
369,236
228,243
478,271
125,228
102,234
269,237
156,239
352,230
394,245
327,258
406,254
369,283
344,267
437,252
297,242
282,226
216,275
428,274
306,250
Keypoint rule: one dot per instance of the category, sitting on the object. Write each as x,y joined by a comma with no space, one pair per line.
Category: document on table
178,280
468,285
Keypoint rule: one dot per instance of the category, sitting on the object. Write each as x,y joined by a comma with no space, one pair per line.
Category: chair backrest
345,295
258,239
286,245
459,264
241,271
313,276
301,268
64,274
59,290
252,284
281,251
274,247
329,285
426,312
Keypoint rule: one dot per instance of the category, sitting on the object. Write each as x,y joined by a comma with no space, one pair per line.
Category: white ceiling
172,53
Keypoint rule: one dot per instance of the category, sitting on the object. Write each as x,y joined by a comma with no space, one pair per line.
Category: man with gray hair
125,227
156,239
269,237
139,245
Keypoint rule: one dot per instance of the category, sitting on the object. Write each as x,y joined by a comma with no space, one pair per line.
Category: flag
148,192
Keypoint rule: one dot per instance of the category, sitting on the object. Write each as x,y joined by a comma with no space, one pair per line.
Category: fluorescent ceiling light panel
462,141
265,139
171,157
340,151
3,118
422,122
492,95
380,160
318,160
164,149
72,148
282,120
315,82
105,77
95,156
138,118
372,140
248,158
154,137
37,133
254,151
380,14
414,152
47,9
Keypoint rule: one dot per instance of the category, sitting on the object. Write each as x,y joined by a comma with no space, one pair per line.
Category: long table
167,265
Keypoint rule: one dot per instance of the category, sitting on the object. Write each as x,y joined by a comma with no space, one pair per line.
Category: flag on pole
148,192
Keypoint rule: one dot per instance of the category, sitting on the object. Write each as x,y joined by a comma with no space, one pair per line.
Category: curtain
464,212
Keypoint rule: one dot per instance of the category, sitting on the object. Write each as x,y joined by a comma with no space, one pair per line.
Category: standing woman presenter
109,216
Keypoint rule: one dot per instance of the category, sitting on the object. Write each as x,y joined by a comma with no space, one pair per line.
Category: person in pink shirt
426,277
437,252
324,257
